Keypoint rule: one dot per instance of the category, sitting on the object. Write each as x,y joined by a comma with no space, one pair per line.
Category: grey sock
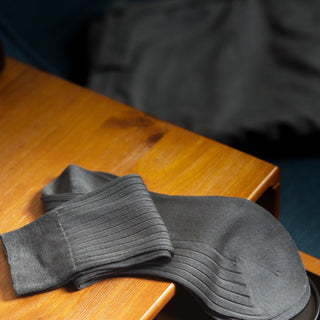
234,257
113,227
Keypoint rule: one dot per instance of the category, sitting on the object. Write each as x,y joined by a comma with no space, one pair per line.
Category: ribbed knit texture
114,227
231,254
123,223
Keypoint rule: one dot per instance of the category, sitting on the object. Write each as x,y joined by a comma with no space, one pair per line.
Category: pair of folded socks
231,254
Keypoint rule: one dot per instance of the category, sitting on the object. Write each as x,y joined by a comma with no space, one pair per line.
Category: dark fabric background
246,73
50,35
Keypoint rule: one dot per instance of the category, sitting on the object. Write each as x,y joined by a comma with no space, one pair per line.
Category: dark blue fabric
300,201
50,35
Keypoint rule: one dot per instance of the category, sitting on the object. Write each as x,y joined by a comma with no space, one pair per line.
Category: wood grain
46,124
311,263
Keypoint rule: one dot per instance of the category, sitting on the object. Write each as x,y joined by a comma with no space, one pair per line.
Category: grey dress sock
113,227
234,257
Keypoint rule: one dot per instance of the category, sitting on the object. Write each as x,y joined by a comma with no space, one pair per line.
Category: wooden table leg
270,200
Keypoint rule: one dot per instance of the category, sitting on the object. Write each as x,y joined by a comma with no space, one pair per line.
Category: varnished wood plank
311,263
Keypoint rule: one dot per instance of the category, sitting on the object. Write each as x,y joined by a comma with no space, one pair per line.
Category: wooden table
47,123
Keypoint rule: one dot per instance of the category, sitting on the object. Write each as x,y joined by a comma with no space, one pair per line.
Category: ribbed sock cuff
115,226
38,255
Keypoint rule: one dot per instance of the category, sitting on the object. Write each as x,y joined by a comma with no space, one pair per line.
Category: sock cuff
118,225
38,255
118,189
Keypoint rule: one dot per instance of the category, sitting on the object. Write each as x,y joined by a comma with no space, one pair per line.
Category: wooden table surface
46,124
